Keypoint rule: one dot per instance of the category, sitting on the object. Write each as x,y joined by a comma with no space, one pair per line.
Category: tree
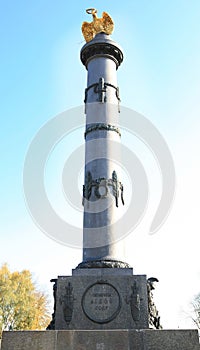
196,310
22,305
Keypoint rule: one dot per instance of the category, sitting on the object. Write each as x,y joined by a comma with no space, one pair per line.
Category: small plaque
101,302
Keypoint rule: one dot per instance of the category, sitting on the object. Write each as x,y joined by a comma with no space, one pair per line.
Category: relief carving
101,302
102,126
101,187
134,301
154,318
113,264
51,325
67,300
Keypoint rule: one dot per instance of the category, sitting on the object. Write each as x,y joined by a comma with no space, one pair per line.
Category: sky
42,76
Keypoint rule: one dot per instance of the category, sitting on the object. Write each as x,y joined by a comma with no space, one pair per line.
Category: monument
102,292
103,305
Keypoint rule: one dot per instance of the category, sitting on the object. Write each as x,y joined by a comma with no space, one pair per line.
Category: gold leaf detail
98,25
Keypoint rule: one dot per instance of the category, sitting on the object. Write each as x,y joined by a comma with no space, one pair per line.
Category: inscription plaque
101,302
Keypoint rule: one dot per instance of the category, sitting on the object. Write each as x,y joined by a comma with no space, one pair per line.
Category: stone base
101,298
102,340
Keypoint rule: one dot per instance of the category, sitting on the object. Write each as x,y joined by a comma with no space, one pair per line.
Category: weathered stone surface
102,340
97,340
170,339
29,340
102,301
102,272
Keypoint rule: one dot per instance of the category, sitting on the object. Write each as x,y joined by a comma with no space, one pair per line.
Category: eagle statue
98,25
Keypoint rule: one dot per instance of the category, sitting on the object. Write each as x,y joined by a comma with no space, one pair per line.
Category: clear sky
41,76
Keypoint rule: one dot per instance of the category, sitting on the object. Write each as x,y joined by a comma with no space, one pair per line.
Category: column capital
101,46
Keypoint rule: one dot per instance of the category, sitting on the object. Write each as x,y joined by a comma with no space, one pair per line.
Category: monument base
102,340
101,298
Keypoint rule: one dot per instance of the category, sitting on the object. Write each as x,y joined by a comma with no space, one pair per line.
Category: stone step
101,340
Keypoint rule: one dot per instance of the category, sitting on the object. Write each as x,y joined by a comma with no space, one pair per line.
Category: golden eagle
98,25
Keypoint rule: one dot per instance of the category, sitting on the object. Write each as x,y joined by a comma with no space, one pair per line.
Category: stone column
103,190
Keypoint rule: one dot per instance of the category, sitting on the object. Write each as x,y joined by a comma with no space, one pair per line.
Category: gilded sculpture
98,25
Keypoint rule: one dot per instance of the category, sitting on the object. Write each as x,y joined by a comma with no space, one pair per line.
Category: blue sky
41,76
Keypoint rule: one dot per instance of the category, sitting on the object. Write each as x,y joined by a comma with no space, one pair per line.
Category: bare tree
196,310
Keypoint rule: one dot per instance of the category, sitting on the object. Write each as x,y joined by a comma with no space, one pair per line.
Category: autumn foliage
22,305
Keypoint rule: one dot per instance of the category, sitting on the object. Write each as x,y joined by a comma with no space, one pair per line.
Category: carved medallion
101,302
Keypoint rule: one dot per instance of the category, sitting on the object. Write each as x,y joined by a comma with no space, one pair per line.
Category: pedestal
102,340
102,298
